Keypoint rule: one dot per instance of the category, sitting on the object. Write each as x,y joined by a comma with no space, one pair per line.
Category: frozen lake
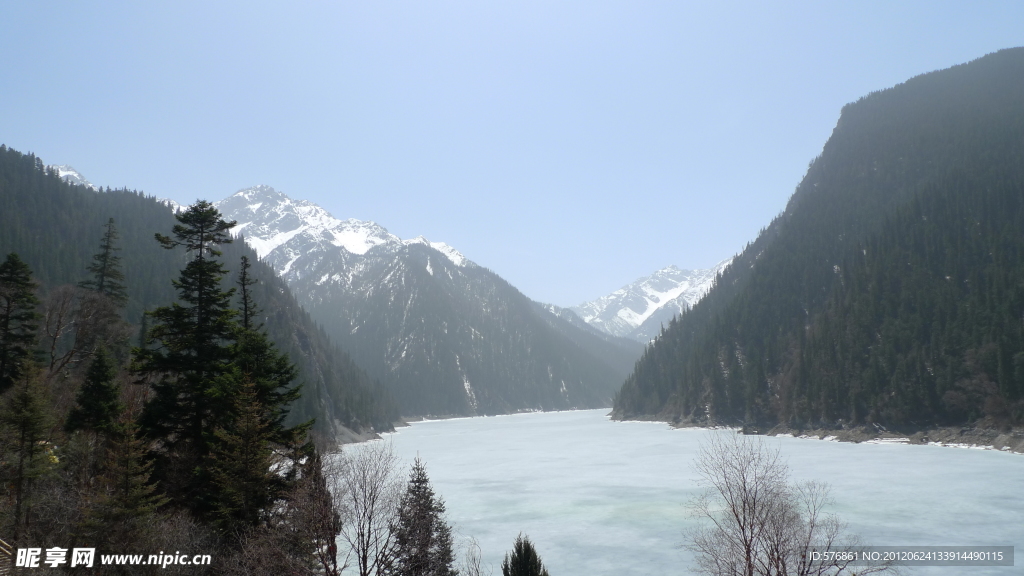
600,497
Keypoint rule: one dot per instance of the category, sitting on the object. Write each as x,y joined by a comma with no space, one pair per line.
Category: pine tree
523,560
271,373
128,501
98,403
17,319
240,465
189,353
249,309
25,424
107,277
423,539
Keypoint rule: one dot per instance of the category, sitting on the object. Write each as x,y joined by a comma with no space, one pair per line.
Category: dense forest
180,434
889,291
56,228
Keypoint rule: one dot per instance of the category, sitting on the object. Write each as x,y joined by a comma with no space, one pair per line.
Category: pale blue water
600,497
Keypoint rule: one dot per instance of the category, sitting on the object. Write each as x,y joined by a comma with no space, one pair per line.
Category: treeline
176,443
181,442
54,227
887,292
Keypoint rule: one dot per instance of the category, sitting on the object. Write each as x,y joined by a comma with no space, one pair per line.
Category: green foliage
423,539
188,356
126,505
889,291
25,425
240,465
248,308
52,225
98,404
17,319
107,277
523,560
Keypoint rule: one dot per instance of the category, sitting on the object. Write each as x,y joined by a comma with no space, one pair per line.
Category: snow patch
451,253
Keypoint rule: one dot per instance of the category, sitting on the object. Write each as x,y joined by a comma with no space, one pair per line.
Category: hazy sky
571,147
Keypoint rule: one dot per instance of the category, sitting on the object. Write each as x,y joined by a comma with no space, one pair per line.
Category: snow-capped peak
454,255
174,206
71,176
269,219
638,309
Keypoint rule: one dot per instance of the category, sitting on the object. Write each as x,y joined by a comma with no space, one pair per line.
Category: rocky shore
1010,440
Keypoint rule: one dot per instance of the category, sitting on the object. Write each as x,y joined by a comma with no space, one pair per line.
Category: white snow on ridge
174,206
358,236
264,245
454,255
269,219
72,176
659,296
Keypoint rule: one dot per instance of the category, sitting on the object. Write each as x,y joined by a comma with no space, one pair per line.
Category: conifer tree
107,277
17,319
523,560
423,539
270,373
188,353
240,465
25,423
98,403
249,309
129,500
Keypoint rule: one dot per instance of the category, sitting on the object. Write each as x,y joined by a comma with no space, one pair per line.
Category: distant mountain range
640,310
446,335
431,350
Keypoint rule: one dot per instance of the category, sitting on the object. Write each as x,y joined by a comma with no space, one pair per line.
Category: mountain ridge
641,308
449,337
889,290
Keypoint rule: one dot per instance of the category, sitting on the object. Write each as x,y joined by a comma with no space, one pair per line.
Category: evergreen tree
107,277
240,465
25,423
98,403
423,539
17,319
245,281
127,504
523,560
271,375
188,353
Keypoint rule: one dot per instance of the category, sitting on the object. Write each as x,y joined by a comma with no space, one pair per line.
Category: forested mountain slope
446,336
56,227
890,290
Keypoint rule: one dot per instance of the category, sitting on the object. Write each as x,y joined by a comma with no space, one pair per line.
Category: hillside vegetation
56,228
889,291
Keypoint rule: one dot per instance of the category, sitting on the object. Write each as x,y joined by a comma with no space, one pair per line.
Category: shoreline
972,437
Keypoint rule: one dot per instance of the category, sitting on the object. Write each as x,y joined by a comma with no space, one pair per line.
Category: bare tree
472,560
367,482
75,322
758,524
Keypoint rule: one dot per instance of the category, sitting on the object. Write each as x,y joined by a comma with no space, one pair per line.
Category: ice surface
600,497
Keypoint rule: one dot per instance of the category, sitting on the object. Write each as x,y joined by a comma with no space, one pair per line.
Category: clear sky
571,147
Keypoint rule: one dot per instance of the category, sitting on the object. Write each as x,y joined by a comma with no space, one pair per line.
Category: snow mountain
446,336
72,176
639,310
